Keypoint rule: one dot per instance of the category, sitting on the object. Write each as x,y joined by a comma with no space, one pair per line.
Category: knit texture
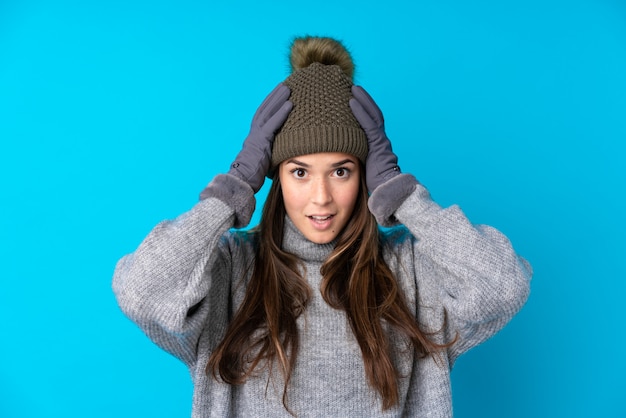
321,119
188,276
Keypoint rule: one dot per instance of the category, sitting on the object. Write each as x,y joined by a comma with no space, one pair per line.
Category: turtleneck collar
297,244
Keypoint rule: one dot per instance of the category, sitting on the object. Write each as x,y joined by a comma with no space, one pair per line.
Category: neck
297,244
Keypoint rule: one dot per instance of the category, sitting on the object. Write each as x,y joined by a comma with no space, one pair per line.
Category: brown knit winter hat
321,119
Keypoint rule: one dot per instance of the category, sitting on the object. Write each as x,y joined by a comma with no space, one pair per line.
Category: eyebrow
343,162
305,165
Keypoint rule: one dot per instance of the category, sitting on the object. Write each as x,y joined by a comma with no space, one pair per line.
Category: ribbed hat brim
316,139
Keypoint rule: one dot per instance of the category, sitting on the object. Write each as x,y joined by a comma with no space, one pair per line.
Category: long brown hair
356,279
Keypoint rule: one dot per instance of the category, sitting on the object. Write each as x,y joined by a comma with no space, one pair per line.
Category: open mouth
320,218
321,222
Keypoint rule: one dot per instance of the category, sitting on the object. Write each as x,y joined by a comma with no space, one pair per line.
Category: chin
320,239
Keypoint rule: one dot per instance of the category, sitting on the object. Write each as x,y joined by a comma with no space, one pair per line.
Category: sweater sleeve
482,282
179,277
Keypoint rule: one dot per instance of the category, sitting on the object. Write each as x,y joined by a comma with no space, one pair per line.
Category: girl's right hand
253,161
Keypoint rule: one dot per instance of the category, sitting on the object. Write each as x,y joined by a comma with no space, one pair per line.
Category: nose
321,192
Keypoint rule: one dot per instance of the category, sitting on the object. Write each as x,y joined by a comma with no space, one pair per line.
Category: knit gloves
381,166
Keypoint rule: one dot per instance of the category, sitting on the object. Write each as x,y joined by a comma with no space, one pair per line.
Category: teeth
320,218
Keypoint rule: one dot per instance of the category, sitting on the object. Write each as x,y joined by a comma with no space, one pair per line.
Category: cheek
291,198
349,197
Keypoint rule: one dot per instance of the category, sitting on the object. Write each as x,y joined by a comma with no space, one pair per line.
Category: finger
276,121
368,104
362,116
272,103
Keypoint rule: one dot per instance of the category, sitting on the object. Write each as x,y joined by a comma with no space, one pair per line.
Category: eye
342,172
298,173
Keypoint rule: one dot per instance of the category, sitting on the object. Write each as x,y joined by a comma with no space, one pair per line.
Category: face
320,191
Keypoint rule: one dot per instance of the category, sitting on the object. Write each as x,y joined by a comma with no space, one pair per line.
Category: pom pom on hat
321,119
305,51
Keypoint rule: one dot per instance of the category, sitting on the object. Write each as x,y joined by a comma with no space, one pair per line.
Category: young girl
318,311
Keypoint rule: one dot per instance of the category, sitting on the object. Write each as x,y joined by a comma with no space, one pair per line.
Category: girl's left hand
381,164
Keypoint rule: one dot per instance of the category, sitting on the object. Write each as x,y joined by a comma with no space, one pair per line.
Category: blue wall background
114,115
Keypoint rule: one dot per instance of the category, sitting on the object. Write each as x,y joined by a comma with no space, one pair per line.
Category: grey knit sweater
188,276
